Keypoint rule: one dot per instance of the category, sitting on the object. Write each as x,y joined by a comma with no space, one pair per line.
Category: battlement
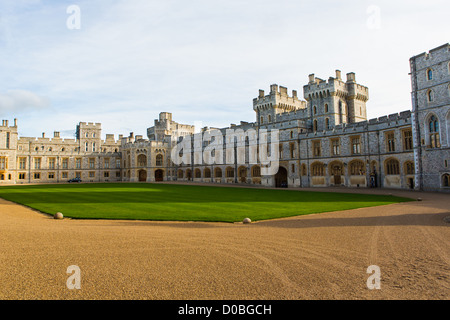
90,125
317,88
278,98
433,56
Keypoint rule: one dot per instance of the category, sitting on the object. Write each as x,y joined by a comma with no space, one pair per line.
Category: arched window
230,172
430,95
327,123
159,160
207,173
256,172
270,118
429,74
86,147
93,146
392,167
180,174
142,160
317,169
218,173
357,168
315,125
409,167
197,173
433,127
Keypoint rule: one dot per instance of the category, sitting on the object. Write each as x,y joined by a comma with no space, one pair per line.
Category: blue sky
204,61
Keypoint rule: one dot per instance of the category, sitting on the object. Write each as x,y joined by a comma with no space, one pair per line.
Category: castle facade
324,140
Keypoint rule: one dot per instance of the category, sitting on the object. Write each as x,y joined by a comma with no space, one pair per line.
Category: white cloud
132,59
20,101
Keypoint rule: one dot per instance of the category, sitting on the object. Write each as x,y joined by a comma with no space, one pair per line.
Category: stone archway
142,175
281,180
159,175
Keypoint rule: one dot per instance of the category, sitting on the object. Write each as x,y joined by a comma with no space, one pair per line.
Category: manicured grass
142,201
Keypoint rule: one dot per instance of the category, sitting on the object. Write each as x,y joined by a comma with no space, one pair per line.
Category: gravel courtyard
321,256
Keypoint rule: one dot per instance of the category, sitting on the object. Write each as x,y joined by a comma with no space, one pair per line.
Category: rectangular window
316,149
356,145
335,147
92,163
390,142
51,175
407,140
78,163
37,163
21,176
22,163
51,163
7,140
106,163
91,174
291,150
117,174
3,164
78,175
106,174
37,176
118,161
65,163
64,175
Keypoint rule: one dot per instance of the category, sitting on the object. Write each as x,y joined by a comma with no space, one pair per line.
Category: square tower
430,81
335,102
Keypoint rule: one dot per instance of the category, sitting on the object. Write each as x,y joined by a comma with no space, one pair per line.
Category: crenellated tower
267,107
335,102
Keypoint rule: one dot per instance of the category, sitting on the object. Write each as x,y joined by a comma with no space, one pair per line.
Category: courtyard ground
319,256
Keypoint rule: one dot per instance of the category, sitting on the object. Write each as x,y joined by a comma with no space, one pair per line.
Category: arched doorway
142,175
336,171
159,175
189,174
281,180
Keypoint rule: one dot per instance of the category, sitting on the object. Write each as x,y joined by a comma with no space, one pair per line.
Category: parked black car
74,180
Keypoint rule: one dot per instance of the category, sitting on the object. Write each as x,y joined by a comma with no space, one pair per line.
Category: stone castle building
325,140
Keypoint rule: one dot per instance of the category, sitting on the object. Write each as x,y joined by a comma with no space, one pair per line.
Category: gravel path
323,256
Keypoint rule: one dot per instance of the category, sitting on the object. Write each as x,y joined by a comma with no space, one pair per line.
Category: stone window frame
392,166
316,148
429,74
355,148
335,147
405,138
389,137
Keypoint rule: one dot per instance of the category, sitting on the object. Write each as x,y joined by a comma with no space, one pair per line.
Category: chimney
15,122
56,134
294,93
6,123
43,134
338,74
311,78
261,93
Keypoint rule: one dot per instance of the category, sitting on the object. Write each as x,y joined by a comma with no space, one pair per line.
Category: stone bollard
247,221
58,216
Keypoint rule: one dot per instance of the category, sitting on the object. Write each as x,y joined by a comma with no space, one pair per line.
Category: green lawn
133,201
